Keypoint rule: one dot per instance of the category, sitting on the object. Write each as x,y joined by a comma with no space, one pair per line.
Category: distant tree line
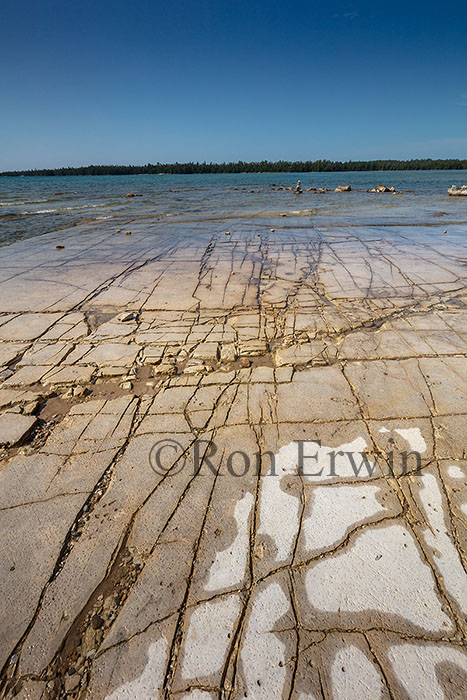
263,166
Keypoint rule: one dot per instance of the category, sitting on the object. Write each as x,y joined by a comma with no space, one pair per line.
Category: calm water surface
31,206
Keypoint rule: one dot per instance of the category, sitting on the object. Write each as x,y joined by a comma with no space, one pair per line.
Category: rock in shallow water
382,188
455,191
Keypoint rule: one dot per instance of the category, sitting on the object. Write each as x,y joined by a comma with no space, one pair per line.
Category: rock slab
14,428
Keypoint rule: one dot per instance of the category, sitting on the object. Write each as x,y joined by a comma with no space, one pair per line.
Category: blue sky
109,81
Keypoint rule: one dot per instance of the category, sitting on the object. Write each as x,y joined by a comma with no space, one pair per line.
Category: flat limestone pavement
234,466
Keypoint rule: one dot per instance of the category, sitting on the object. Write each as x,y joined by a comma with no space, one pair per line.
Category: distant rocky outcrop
382,188
455,191
343,188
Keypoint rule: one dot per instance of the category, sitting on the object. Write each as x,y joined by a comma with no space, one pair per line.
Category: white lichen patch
335,509
279,510
455,472
207,638
263,654
381,571
415,667
436,536
229,565
149,683
414,437
278,514
353,676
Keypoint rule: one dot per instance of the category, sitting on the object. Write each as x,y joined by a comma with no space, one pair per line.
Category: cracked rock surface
232,571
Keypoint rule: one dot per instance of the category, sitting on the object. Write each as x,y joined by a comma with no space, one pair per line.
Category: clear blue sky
137,81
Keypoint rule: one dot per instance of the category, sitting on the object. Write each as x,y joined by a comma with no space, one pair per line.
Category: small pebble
30,408
245,362
59,247
96,622
128,233
71,682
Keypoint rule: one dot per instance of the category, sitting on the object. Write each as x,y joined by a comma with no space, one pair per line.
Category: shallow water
30,206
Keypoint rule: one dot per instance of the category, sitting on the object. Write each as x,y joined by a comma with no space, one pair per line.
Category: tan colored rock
214,572
111,354
30,408
14,428
195,367
164,368
253,348
27,326
206,351
298,354
68,375
228,352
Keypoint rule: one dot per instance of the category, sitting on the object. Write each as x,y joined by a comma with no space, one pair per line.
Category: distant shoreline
281,166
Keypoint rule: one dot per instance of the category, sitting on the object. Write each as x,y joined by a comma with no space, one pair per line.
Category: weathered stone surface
9,351
68,375
45,354
248,476
206,351
27,375
27,326
115,354
298,354
14,428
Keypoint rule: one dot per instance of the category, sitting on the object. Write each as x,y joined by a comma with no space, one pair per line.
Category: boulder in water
455,191
382,188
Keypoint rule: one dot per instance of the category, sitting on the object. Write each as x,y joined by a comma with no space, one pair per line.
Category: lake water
31,206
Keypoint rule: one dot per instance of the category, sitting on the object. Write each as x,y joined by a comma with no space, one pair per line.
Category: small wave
53,211
44,201
83,206
28,201
28,213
